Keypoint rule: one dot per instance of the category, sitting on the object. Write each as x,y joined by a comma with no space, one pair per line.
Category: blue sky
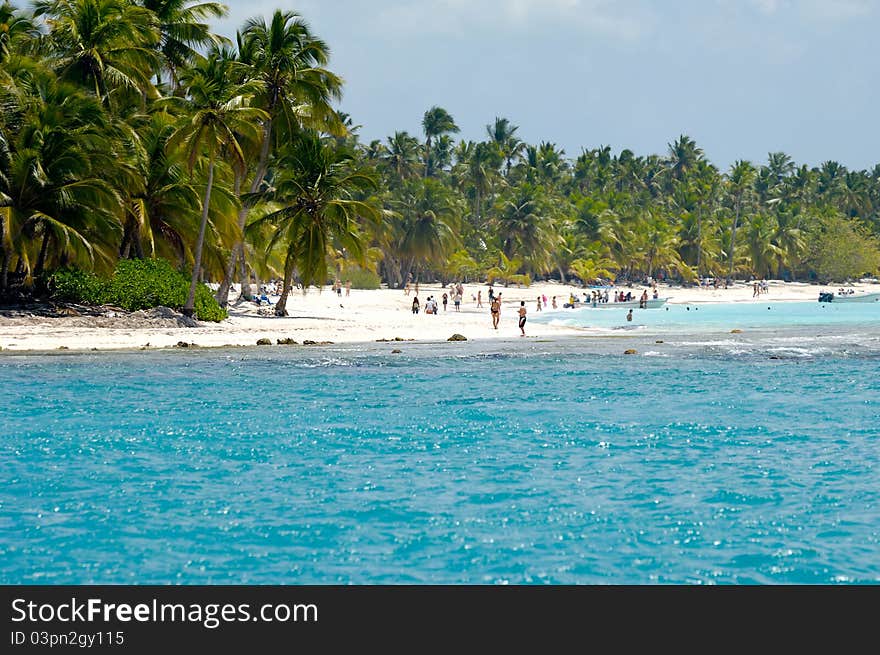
741,77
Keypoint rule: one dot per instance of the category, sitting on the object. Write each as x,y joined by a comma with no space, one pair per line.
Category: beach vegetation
130,130
134,285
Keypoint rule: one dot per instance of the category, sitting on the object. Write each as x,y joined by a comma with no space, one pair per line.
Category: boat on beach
854,296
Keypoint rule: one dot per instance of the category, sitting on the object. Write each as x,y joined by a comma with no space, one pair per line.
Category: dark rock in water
774,356
457,337
63,348
182,344
264,342
309,342
398,338
286,342
736,331
659,341
629,351
396,351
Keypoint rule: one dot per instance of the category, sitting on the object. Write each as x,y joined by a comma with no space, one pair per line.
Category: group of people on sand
432,305
759,287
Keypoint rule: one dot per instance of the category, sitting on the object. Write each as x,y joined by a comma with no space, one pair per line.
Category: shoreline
381,316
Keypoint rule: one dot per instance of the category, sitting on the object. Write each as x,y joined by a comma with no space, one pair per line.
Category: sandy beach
362,316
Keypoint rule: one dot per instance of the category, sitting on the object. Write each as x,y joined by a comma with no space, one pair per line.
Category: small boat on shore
854,296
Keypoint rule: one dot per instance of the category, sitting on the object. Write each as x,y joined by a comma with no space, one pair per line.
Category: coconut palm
741,179
295,89
319,190
502,132
435,122
402,155
54,186
13,26
103,44
216,117
182,29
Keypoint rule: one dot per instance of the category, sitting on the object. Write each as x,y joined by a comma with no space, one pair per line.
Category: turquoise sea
709,458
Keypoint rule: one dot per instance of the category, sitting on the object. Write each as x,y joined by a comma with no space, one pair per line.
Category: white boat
856,296
652,303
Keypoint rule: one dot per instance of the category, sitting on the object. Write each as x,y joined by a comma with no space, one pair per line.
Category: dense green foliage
140,284
130,131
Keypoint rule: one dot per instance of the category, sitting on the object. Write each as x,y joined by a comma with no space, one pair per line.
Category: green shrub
361,279
78,286
136,284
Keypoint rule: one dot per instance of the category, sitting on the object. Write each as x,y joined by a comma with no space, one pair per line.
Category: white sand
364,316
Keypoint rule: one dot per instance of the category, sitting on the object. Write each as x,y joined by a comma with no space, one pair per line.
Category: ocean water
706,459
708,317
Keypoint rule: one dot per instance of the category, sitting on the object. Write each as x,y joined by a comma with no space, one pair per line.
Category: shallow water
707,317
728,459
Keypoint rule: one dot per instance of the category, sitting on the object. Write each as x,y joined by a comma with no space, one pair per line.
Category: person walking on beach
491,295
495,309
522,316
554,302
415,305
539,303
445,301
479,297
456,300
348,287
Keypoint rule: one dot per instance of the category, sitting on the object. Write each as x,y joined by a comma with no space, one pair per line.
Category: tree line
130,129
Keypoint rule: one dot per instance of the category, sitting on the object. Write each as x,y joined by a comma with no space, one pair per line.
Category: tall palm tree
435,122
319,189
682,157
182,29
741,179
402,155
294,88
216,117
103,44
502,132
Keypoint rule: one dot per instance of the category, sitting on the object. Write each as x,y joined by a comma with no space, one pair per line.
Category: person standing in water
522,317
629,316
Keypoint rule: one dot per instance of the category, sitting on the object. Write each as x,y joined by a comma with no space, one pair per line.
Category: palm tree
215,118
428,223
741,178
182,30
522,225
319,190
56,163
13,25
294,88
435,122
103,44
162,217
502,133
682,157
402,155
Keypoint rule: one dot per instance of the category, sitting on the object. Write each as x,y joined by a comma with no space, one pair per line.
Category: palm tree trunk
281,306
41,258
189,307
222,295
562,275
4,258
